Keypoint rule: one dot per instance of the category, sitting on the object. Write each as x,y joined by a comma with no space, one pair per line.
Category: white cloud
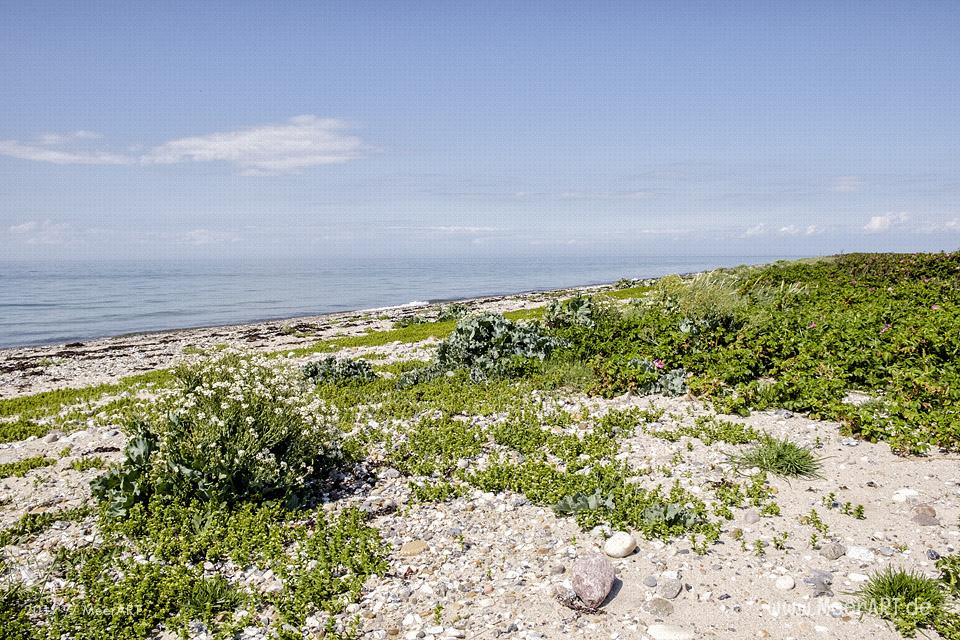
301,142
36,232
463,230
847,184
789,230
288,147
201,237
755,230
952,225
879,224
14,149
61,138
812,230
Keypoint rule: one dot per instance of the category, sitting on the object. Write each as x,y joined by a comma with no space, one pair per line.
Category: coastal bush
488,346
332,370
233,428
576,311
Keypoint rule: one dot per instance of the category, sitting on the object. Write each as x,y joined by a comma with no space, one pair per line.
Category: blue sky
203,129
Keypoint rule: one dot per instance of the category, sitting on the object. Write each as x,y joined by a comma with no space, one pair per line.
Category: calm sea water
43,303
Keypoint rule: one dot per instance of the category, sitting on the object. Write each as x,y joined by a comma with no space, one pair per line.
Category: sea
49,302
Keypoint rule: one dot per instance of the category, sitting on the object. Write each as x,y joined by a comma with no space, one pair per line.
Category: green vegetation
710,429
20,468
911,601
779,457
85,464
227,460
338,370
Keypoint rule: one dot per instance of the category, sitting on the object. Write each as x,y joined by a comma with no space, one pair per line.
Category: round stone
620,545
785,583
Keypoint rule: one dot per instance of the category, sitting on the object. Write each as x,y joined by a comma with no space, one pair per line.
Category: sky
167,129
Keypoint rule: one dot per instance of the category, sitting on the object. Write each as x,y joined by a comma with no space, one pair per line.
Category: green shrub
332,370
234,428
576,311
489,346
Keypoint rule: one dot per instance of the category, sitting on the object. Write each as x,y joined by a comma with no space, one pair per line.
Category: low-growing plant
909,600
85,464
488,346
780,457
21,468
333,370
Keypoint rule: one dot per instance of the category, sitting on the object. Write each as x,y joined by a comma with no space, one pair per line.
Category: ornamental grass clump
233,428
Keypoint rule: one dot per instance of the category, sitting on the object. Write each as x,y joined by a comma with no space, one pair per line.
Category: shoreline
25,370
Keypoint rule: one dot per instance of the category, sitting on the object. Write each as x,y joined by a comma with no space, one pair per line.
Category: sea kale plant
488,346
333,370
233,428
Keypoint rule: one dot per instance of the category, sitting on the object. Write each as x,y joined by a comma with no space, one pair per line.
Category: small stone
668,632
650,581
925,516
832,550
857,577
659,607
820,581
887,551
592,580
861,553
434,630
413,548
620,545
670,588
932,555
557,569
785,583
904,494
51,437
750,516
391,473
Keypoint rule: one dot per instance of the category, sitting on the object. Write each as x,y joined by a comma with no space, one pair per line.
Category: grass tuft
780,457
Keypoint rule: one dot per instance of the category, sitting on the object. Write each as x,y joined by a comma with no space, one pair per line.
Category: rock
785,583
557,569
658,607
904,494
832,550
620,545
750,516
592,580
391,473
670,588
413,548
51,437
849,442
668,632
887,551
857,577
925,516
861,554
820,581
932,555
650,581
